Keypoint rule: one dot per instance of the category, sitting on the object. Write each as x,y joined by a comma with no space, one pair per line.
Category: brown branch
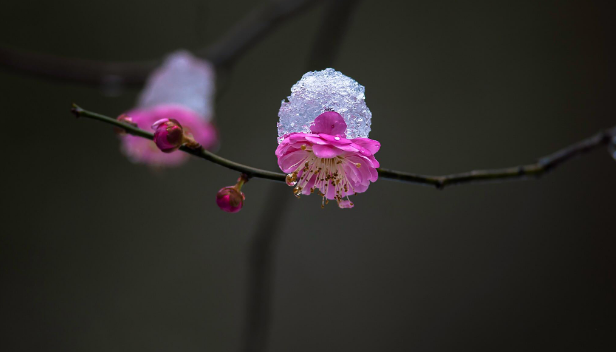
522,172
222,53
545,164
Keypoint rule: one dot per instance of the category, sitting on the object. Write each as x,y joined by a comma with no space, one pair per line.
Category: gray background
98,254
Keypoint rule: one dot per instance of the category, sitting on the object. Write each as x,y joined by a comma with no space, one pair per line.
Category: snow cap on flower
321,91
322,138
182,79
182,89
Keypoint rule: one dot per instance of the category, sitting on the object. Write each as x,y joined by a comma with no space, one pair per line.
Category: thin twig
199,152
522,172
545,164
222,53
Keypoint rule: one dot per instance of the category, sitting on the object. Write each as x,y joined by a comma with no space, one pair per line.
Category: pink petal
325,151
345,204
329,122
315,139
290,162
360,188
335,140
309,185
331,192
370,144
348,148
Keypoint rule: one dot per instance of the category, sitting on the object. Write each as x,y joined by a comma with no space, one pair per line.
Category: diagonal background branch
262,250
222,53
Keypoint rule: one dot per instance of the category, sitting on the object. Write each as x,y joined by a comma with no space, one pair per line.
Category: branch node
76,110
440,184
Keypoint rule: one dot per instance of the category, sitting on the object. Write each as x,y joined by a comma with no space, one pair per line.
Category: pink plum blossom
326,160
181,89
145,151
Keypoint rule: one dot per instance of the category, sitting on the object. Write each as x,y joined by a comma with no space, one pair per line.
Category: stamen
324,173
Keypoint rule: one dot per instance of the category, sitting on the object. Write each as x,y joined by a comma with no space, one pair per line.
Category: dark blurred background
98,254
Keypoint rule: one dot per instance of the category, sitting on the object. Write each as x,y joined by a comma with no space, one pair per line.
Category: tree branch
522,172
222,53
251,29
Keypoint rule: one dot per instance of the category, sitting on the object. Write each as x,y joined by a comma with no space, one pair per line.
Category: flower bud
230,199
168,135
329,122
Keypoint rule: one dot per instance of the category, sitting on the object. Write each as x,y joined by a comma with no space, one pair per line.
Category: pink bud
168,135
230,199
329,122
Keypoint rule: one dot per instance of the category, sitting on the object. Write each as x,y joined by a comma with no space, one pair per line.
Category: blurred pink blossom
182,89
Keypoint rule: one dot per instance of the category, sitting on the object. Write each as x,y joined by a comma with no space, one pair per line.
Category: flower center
326,175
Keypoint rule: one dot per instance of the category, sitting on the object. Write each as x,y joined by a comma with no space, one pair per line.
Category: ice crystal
320,91
182,80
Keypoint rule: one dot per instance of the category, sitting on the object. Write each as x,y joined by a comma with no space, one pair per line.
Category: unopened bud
168,135
230,199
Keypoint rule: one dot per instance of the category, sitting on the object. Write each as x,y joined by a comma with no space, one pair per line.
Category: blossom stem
522,172
222,53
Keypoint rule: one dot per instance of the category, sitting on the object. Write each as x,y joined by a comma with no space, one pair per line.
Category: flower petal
314,138
329,122
335,140
325,151
291,161
370,144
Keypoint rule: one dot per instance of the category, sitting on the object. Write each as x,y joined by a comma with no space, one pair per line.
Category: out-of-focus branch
262,250
331,33
251,29
76,70
521,172
260,270
222,53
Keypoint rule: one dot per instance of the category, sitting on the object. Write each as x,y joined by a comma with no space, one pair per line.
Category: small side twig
522,172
